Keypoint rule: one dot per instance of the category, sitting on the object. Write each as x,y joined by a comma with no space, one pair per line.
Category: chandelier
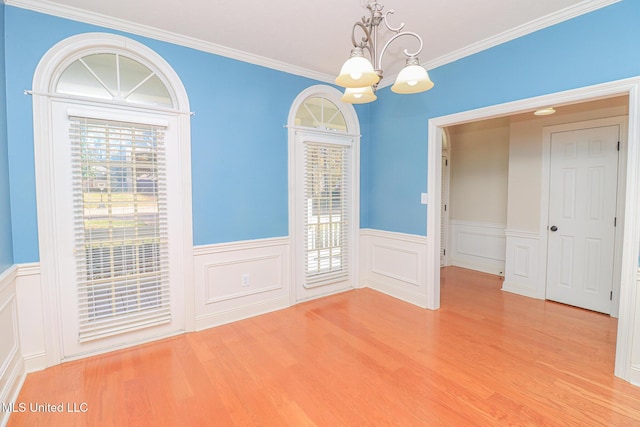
358,74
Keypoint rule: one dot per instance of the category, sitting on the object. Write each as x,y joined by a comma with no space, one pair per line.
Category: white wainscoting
634,369
395,264
12,371
31,316
237,280
523,268
479,246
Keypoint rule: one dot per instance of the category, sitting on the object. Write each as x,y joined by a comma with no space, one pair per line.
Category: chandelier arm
405,51
366,40
389,27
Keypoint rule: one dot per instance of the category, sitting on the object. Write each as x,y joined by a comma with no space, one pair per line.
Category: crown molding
76,14
565,14
528,28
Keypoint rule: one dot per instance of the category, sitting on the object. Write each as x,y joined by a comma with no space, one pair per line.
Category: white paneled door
582,217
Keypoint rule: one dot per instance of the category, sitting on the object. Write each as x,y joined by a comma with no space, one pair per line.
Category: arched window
324,204
113,189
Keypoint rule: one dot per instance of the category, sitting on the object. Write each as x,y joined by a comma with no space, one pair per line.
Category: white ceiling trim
81,15
76,14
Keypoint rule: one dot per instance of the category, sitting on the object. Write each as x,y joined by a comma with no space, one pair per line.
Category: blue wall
239,143
6,245
597,47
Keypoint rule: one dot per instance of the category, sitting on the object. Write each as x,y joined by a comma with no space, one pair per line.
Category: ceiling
313,38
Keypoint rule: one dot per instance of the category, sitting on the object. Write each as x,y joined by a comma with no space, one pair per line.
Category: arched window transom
115,77
320,113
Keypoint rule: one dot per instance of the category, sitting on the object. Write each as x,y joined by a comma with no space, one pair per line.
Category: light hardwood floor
360,358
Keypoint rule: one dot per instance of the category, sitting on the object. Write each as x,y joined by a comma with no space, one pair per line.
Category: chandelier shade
357,71
359,95
412,79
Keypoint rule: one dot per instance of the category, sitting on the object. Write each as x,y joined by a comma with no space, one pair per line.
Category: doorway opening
628,257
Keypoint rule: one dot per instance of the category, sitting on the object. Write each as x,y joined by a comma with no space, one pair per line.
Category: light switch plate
424,197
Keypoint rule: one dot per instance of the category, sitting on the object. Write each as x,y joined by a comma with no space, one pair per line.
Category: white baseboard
394,263
518,289
397,292
240,312
634,375
35,362
478,246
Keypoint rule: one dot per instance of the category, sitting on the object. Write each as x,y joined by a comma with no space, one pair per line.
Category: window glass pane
333,118
151,92
77,80
309,113
132,73
104,66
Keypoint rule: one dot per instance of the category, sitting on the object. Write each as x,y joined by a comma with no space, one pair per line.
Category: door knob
553,228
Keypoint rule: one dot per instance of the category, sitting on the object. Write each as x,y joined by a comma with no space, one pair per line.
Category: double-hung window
120,226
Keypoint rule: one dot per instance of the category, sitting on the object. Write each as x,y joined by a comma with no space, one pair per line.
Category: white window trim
353,131
47,72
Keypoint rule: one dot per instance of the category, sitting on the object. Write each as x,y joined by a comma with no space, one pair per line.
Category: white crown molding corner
77,14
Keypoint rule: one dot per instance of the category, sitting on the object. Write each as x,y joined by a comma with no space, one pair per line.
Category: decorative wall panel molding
237,280
31,316
522,266
478,246
394,263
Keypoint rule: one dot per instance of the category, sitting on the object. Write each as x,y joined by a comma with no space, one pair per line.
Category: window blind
326,191
120,226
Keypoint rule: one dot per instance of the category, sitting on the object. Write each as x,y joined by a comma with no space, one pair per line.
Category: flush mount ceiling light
545,111
358,74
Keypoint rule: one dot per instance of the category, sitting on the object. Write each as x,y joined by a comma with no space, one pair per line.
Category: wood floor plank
360,358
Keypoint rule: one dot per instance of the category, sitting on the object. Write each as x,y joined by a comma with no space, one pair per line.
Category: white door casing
49,108
582,211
